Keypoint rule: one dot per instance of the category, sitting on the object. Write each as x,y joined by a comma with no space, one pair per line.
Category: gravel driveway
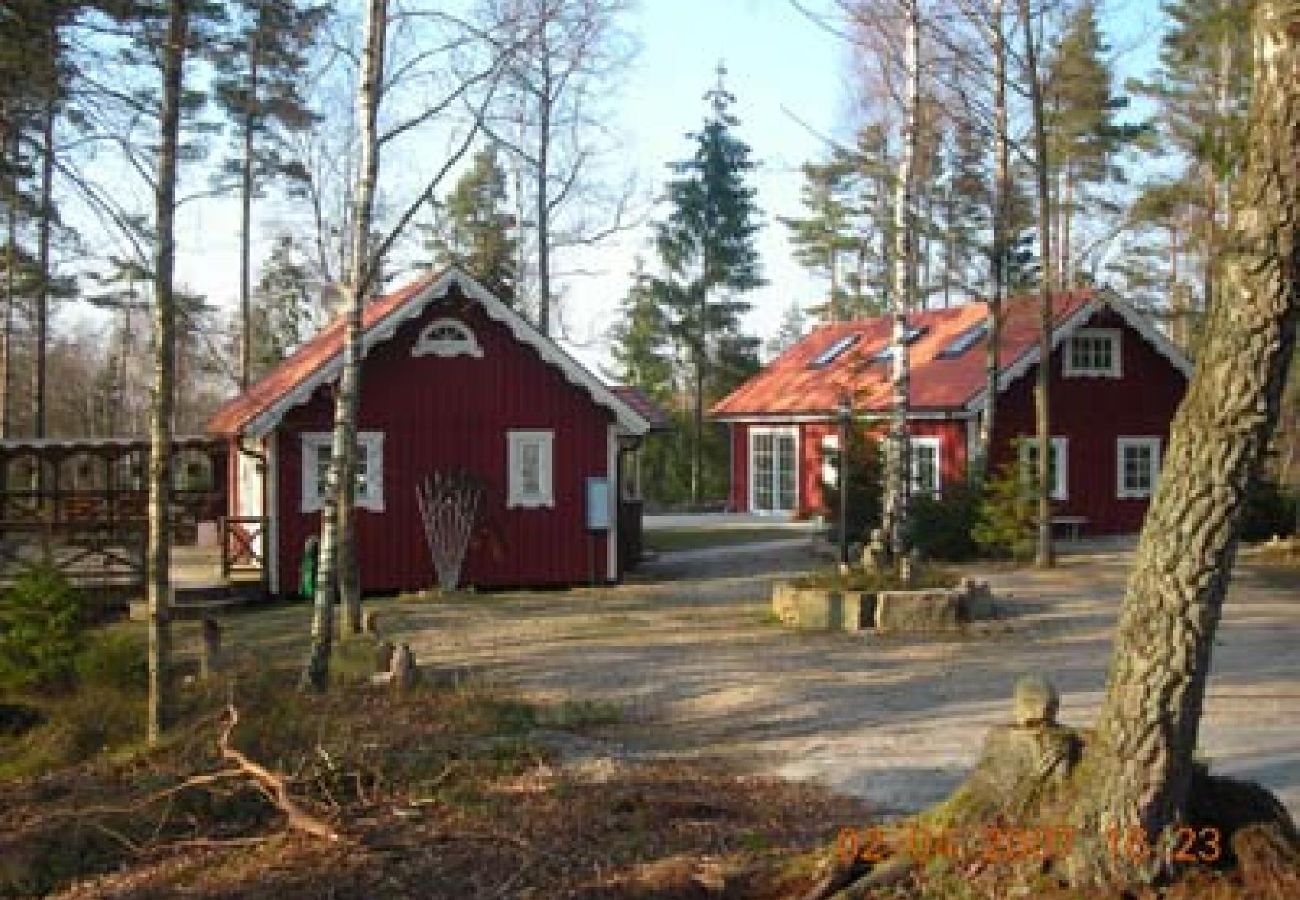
690,654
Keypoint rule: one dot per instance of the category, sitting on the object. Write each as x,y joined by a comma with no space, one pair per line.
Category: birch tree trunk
1001,195
897,475
337,569
246,189
1139,765
1046,554
158,563
41,312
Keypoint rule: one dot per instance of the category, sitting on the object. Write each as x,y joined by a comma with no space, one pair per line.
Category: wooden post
210,650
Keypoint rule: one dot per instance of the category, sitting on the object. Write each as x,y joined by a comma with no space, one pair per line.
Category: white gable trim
1104,298
629,420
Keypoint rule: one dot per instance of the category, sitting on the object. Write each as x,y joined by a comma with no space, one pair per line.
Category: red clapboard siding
1092,413
443,413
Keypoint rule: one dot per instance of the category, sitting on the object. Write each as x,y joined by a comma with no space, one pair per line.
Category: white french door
773,470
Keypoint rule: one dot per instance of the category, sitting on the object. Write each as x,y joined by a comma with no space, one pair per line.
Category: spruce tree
823,239
475,231
707,248
642,347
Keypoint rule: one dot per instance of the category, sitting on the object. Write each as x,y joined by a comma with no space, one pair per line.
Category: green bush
1005,524
41,632
865,487
77,727
115,659
1269,511
870,581
942,527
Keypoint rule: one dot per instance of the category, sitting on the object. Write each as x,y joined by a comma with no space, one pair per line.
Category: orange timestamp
1003,844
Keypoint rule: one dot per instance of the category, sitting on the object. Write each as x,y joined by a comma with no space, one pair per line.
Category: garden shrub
863,454
1269,511
41,631
1006,522
115,659
942,527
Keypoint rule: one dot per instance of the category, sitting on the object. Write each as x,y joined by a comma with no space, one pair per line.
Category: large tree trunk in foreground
1001,204
164,386
337,569
1140,765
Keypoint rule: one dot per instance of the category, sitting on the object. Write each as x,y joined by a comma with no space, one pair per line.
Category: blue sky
778,62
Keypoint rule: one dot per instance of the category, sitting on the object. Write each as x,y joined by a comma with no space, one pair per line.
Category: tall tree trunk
42,305
1046,555
1141,757
701,365
897,474
164,360
544,202
1001,198
246,190
1067,217
337,571
6,340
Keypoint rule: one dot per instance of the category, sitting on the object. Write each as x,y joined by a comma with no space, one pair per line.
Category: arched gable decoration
447,337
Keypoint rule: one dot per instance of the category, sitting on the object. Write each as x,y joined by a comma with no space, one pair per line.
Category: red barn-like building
1115,384
451,379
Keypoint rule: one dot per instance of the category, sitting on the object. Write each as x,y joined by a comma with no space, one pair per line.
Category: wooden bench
1073,525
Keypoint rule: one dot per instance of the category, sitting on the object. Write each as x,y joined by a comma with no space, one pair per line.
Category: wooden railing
85,552
243,544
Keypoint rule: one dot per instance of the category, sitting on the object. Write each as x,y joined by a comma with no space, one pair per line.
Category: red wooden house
451,379
1115,383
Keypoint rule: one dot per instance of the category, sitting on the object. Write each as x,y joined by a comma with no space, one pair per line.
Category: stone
783,597
384,651
818,609
918,611
977,599
858,610
404,670
1035,701
876,555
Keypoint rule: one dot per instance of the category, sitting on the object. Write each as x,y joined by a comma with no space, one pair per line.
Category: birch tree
1140,763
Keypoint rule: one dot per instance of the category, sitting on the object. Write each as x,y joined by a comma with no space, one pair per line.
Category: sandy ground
691,655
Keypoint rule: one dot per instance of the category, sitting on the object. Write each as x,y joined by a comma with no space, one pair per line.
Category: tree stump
405,673
210,649
384,651
370,622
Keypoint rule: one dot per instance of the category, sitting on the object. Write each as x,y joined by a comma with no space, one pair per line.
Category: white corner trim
272,513
447,337
371,443
628,418
614,494
1122,443
1115,337
516,496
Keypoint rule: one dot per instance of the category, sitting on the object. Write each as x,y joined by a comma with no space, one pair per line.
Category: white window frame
1122,491
1060,490
1113,335
465,344
936,444
369,443
774,431
516,496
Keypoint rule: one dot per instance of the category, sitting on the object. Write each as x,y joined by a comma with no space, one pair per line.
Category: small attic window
834,351
447,337
911,336
964,341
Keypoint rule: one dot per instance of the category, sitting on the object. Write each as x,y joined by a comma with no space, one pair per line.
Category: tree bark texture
898,458
1141,767
337,570
158,563
1046,555
246,190
41,312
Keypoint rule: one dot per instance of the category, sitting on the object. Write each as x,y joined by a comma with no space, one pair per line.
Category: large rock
1035,701
918,611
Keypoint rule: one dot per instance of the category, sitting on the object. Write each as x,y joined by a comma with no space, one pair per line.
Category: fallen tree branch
272,785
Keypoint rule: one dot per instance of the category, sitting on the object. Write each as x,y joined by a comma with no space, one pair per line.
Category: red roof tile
790,386
232,417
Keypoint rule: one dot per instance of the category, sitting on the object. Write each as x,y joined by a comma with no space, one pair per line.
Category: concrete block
918,611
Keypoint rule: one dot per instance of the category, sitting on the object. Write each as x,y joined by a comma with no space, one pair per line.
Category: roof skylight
911,336
964,341
834,351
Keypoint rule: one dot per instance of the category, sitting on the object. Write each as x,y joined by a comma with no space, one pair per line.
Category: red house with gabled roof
451,379
1115,384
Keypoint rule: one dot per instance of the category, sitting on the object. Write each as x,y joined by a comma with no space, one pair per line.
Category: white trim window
1137,467
1094,353
927,466
1058,464
447,337
316,448
530,480
831,461
774,470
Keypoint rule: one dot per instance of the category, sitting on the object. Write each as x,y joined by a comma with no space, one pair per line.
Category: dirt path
701,671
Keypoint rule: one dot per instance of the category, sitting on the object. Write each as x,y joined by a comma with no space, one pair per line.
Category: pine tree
642,347
474,230
261,63
707,247
286,311
824,238
793,328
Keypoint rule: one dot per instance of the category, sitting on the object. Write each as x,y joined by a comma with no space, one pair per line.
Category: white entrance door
773,470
